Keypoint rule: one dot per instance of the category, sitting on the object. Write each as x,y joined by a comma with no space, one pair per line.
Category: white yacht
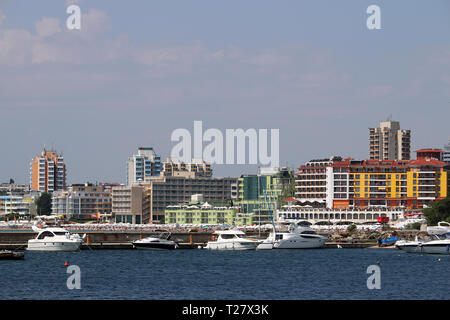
297,237
439,246
54,239
232,240
157,242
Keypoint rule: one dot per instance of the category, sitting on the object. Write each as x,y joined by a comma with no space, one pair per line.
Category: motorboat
54,239
439,246
160,242
443,228
297,237
11,255
232,240
409,246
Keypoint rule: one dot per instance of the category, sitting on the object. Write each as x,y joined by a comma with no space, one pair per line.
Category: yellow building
390,183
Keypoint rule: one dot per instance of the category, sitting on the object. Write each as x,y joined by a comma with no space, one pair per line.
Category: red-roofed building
388,183
349,183
429,153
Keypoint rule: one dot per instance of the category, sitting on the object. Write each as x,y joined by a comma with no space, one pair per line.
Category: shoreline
191,246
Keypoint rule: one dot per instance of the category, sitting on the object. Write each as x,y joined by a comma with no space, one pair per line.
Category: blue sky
135,72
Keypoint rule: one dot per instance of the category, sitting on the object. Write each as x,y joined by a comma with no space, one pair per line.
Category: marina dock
122,240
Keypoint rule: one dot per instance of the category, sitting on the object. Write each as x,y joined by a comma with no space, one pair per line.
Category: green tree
439,211
44,204
351,228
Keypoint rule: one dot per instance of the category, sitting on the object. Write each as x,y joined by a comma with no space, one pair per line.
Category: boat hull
154,246
53,245
266,245
299,243
411,248
432,247
436,248
232,246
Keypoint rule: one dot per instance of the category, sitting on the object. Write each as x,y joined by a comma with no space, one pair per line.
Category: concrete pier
97,240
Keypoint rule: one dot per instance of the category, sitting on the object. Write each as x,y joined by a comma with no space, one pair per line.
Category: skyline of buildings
324,184
146,164
153,166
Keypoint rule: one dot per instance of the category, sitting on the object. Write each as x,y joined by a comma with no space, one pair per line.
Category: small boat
160,242
11,255
54,239
232,240
388,242
409,246
439,246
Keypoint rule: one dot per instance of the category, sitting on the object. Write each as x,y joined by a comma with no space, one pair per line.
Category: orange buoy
66,264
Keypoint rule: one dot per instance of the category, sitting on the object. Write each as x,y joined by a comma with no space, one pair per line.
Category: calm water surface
202,274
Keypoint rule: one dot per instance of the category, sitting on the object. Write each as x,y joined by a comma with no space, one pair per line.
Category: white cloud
70,2
2,17
53,63
268,59
47,27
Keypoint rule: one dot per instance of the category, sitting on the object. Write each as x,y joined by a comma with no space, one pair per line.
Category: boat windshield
241,236
164,235
60,233
227,236
45,234
308,232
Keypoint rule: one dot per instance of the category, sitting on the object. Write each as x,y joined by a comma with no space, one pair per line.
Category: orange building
48,172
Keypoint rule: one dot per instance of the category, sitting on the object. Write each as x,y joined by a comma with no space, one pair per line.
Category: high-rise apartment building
446,153
146,163
48,172
389,142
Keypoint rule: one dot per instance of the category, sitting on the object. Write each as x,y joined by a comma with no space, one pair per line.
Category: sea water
203,274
